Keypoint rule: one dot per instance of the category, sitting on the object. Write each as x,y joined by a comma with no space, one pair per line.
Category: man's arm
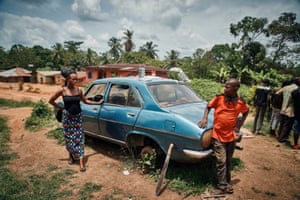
203,121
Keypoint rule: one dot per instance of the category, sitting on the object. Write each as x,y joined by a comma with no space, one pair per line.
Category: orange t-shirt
225,117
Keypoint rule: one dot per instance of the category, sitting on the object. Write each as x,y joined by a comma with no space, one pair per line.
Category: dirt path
272,170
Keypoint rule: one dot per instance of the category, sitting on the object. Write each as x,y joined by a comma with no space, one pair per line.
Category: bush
207,89
40,116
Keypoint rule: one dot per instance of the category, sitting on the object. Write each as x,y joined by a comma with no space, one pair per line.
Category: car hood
192,112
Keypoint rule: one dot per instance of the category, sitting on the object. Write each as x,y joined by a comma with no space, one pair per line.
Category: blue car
148,113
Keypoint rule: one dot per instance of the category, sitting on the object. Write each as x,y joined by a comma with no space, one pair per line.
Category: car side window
96,92
133,100
118,94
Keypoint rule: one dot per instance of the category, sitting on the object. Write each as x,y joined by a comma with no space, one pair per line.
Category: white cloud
74,30
28,30
164,12
88,9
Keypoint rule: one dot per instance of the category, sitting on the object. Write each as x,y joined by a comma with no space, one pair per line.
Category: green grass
15,104
52,184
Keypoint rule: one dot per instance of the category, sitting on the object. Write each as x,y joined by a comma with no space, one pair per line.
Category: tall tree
58,55
91,57
149,49
172,59
3,58
129,45
20,56
115,48
285,33
249,28
72,46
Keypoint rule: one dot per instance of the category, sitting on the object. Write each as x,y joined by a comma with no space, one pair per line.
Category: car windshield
173,94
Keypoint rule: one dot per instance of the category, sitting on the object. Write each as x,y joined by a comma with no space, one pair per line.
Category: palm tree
58,54
129,45
172,59
115,47
72,46
91,57
149,49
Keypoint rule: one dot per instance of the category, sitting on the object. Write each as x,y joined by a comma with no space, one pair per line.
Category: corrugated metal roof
48,73
15,72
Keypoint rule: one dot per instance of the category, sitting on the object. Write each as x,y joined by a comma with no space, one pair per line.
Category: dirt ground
272,170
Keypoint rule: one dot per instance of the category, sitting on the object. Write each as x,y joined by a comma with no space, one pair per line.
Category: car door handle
131,114
95,109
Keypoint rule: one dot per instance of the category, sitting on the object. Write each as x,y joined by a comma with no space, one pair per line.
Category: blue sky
181,25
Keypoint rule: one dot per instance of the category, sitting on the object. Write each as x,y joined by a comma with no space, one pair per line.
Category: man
227,107
261,100
287,116
296,100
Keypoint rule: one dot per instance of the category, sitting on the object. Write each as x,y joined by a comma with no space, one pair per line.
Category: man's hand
202,123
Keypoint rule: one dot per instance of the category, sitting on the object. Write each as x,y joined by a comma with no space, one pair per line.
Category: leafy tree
134,57
104,58
149,49
250,28
172,59
91,57
254,53
72,46
115,48
42,56
129,45
20,56
285,33
58,55
3,58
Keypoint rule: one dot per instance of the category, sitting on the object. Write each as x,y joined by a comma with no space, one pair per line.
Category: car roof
138,80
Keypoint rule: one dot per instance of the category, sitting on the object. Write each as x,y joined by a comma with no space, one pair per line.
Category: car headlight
206,138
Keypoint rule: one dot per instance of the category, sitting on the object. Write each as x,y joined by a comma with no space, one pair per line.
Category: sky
181,25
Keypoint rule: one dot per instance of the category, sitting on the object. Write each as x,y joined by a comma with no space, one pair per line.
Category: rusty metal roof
15,72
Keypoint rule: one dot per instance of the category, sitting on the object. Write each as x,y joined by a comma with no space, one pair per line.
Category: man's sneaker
295,147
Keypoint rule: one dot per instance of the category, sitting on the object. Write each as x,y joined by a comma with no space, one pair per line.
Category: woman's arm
87,101
53,99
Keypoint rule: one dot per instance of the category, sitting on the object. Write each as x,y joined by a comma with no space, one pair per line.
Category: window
123,95
172,94
90,75
96,92
118,94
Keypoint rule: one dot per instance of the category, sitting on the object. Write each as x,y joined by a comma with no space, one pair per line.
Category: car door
90,113
119,114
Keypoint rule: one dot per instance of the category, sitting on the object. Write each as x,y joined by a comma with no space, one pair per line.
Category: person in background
296,100
287,111
72,119
228,107
261,100
275,104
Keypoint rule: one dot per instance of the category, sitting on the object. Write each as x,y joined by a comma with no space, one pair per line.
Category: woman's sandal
71,160
82,169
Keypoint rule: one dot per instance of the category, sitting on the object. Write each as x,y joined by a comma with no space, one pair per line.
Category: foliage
15,104
57,134
147,161
207,89
197,178
40,116
86,192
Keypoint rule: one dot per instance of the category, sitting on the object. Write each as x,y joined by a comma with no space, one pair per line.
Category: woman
72,119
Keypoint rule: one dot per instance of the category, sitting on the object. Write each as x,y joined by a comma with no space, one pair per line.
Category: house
15,75
49,77
55,77
122,70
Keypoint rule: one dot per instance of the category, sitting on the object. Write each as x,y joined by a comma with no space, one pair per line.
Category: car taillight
206,138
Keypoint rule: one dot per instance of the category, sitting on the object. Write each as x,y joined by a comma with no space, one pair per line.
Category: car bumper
197,155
